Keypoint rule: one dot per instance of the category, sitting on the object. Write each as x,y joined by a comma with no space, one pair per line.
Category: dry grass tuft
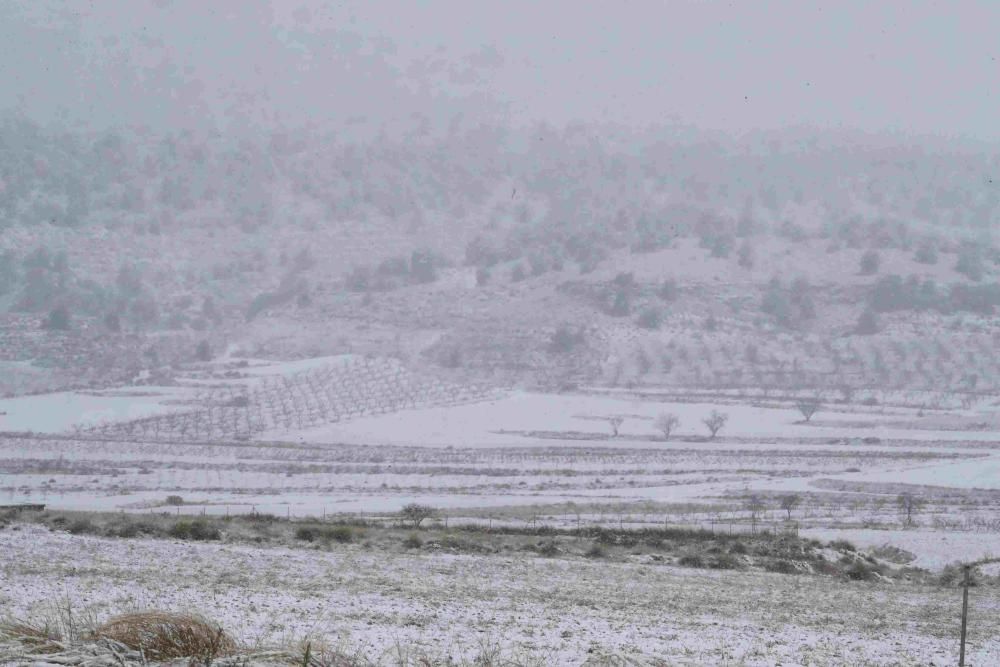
37,637
50,629
165,636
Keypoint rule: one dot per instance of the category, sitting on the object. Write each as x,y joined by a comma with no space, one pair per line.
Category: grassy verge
683,547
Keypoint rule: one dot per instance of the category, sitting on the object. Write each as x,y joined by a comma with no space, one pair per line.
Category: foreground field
387,604
251,439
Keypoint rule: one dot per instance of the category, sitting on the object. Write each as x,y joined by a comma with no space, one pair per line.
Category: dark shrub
58,319
781,566
342,534
860,571
549,549
738,548
82,527
650,318
870,262
725,562
668,290
306,533
564,340
691,560
198,530
124,530
842,545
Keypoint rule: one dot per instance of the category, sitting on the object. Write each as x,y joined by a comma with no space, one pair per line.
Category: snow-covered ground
525,456
933,548
558,611
522,450
484,423
60,412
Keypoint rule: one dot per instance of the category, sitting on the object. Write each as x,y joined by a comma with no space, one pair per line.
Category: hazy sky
914,66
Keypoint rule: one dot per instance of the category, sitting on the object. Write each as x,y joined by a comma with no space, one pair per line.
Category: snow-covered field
440,605
523,457
61,412
487,423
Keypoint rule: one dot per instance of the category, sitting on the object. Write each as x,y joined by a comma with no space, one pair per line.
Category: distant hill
542,256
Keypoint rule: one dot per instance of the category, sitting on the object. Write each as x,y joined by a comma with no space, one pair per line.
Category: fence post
965,615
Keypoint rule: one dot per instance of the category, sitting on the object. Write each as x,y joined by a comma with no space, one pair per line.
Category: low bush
342,534
307,533
131,529
413,541
691,560
725,562
548,549
842,545
894,554
595,551
198,530
82,527
781,566
861,571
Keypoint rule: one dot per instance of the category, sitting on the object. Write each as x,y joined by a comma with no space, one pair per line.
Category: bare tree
615,421
909,505
666,423
789,502
715,421
415,513
808,407
754,505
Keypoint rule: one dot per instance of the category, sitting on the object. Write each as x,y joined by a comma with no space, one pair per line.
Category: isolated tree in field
666,423
754,506
808,407
415,513
615,422
789,502
909,505
715,421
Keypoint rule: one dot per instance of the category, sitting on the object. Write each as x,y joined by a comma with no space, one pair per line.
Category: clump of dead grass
37,637
164,635
50,629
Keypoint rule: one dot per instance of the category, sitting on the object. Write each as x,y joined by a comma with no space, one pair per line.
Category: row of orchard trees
354,388
667,423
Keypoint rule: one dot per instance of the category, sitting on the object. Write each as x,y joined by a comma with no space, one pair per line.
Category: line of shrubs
198,530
